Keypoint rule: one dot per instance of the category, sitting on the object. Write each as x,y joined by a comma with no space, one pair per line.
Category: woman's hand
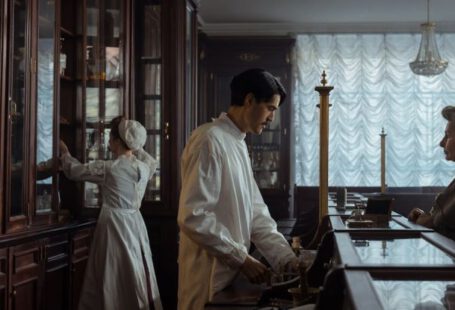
63,148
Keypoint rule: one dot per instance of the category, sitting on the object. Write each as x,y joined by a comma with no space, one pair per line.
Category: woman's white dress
120,273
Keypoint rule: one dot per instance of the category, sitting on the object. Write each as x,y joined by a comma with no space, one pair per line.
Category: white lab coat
221,211
120,262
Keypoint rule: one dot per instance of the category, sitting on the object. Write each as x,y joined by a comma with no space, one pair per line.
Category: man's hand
418,216
414,214
254,270
294,265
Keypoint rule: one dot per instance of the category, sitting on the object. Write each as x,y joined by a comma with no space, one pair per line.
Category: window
374,89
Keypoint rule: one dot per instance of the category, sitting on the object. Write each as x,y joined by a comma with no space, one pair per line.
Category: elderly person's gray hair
449,113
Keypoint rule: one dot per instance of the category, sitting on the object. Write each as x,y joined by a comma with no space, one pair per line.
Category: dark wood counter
242,294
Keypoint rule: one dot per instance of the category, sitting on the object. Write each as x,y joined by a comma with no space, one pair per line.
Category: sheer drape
374,88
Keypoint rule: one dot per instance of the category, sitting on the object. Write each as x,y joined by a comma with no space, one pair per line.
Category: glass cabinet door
45,81
265,155
31,109
102,86
19,58
149,103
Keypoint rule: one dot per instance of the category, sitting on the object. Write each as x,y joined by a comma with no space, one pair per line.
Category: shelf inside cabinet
109,42
45,20
151,97
94,82
151,60
67,78
97,124
68,33
264,147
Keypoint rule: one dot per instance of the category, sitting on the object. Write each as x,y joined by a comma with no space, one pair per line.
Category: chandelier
428,61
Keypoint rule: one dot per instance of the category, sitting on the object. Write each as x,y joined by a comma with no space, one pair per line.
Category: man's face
448,142
260,114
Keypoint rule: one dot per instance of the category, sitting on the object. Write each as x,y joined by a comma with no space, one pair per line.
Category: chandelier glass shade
428,61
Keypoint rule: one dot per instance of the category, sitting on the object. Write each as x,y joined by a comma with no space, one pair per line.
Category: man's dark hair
259,82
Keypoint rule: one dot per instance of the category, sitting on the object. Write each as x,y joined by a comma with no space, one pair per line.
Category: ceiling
278,17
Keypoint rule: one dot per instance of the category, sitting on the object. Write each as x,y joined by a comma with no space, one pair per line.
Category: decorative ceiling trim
267,29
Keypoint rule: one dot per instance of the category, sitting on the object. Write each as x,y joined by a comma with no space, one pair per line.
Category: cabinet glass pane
104,81
152,25
152,79
112,104
153,147
92,18
150,109
45,106
113,64
17,104
152,114
92,112
265,154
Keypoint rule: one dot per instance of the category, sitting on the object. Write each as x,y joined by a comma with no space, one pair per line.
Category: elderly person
120,273
442,215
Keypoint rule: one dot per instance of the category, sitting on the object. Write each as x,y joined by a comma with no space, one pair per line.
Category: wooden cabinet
28,93
92,75
56,256
26,269
67,68
3,278
164,100
63,75
221,59
80,250
164,95
35,270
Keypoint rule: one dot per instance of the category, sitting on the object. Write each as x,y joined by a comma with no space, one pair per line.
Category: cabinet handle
166,131
14,292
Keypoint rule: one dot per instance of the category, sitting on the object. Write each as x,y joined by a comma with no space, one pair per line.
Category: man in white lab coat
221,210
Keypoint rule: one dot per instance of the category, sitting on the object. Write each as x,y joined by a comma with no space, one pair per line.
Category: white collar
232,128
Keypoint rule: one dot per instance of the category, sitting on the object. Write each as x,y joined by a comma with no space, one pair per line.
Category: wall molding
269,29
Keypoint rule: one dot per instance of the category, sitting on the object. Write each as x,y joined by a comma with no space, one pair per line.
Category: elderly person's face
448,142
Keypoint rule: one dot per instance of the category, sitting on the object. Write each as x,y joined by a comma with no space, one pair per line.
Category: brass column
323,146
383,184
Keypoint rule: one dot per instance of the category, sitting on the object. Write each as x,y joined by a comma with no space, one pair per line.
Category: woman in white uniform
120,273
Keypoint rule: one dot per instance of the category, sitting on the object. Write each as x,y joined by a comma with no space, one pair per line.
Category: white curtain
374,89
